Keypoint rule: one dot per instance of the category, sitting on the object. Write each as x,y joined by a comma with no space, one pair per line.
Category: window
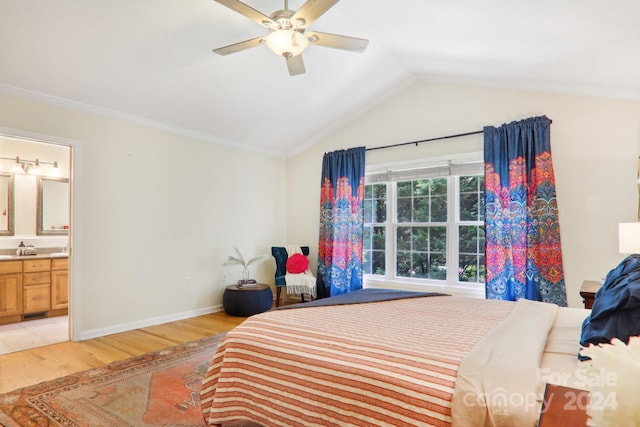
426,225
374,236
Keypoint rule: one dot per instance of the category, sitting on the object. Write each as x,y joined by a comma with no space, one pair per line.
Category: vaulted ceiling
152,60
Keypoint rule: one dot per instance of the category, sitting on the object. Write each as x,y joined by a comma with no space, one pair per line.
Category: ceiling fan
287,32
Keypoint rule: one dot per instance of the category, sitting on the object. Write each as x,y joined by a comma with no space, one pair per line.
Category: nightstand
588,292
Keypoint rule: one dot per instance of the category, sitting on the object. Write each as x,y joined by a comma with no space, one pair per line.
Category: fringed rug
155,389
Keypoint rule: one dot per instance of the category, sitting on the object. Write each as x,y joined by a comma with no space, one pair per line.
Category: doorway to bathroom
35,220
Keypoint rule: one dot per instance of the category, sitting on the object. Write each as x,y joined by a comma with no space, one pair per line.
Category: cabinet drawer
36,278
60,263
36,298
37,265
10,267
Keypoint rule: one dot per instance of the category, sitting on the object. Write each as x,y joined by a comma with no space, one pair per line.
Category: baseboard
124,327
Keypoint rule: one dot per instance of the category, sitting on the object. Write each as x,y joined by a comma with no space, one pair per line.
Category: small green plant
239,260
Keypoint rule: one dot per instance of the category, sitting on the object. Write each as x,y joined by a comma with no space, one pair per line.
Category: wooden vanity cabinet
36,285
10,291
59,283
33,288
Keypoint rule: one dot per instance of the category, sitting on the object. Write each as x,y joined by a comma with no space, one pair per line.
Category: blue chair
281,256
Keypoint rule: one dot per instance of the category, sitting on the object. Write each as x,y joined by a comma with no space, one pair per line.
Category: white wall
151,208
594,144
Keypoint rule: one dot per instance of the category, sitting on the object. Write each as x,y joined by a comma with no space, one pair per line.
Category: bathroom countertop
14,257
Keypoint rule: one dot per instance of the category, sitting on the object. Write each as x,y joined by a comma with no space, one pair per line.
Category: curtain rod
425,140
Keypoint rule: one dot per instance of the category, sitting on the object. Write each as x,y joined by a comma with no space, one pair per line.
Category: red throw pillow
297,263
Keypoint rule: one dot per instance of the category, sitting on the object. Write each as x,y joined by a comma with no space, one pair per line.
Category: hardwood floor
33,366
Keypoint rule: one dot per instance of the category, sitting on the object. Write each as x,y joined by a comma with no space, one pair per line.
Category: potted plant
239,260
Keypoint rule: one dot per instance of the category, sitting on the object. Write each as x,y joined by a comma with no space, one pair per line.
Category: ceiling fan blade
312,10
249,12
236,47
295,64
336,41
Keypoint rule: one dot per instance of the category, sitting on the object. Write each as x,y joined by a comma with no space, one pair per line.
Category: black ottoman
246,301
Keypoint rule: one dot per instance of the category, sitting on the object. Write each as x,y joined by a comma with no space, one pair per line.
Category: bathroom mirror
6,204
52,206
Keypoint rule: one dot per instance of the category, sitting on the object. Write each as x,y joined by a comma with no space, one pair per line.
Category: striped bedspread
390,363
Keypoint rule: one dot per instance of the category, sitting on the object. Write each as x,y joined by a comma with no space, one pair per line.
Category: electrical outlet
225,279
187,281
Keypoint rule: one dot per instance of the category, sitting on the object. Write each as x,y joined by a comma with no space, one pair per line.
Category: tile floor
33,333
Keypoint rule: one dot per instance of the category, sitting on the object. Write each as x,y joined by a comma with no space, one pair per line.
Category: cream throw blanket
302,283
497,384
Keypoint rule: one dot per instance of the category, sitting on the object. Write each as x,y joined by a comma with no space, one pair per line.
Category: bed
424,360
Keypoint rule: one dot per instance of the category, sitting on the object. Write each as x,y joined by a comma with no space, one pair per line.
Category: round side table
246,301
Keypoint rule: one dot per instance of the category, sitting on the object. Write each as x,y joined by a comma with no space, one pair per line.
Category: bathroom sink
59,254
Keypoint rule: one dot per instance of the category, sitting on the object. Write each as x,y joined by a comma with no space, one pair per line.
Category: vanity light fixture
56,170
33,167
17,166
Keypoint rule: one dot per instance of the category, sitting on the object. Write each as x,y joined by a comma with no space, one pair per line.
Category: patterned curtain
523,253
341,222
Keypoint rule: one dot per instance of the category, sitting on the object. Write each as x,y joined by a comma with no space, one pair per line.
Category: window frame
399,172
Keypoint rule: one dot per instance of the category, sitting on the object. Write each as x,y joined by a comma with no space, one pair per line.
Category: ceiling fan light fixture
287,43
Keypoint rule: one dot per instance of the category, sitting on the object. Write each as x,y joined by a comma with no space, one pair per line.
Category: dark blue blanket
362,296
616,308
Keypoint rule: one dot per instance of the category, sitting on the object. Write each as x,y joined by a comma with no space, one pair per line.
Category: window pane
379,210
438,267
438,239
378,238
422,252
368,191
422,200
366,237
373,262
421,209
378,263
468,184
420,265
471,198
439,186
368,210
420,239
403,240
375,203
469,205
404,209
471,253
373,253
404,189
403,264
421,187
367,265
468,268
468,239
380,191
439,209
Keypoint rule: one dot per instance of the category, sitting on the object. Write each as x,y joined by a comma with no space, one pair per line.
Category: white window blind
451,169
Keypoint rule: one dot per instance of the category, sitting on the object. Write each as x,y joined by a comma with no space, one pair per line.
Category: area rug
155,389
